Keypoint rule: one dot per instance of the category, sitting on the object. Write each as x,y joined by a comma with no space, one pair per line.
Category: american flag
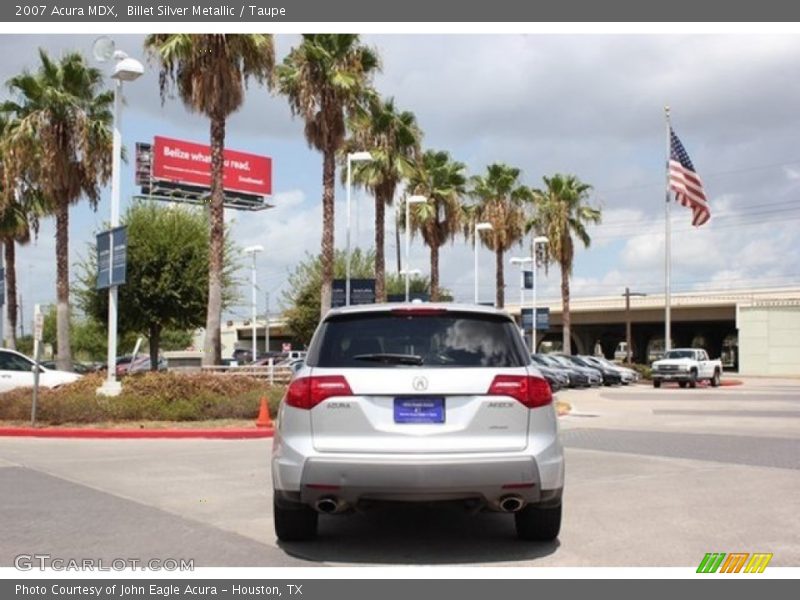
686,183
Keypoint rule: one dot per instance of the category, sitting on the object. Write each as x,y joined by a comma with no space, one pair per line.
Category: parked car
417,403
561,374
609,376
552,377
687,366
16,370
142,364
277,358
627,375
77,367
593,376
621,351
123,362
127,366
296,365
575,378
242,356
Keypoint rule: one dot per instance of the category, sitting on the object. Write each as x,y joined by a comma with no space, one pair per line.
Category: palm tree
561,213
326,78
17,218
15,228
58,141
442,181
501,202
211,72
393,139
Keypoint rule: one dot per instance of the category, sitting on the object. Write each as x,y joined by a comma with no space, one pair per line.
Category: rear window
449,339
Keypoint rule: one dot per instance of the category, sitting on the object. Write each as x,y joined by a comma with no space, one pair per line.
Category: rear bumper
578,380
355,479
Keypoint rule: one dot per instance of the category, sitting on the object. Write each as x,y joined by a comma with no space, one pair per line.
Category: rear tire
295,524
538,524
715,380
656,383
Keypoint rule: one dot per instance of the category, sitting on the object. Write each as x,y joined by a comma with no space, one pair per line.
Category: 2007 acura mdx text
417,403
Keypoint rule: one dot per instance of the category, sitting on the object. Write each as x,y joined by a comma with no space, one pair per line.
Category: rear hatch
419,382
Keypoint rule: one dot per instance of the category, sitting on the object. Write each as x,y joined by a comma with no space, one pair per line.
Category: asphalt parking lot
654,478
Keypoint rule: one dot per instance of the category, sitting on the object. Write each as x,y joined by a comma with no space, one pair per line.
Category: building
239,334
755,331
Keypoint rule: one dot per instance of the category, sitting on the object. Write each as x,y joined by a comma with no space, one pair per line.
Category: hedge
149,397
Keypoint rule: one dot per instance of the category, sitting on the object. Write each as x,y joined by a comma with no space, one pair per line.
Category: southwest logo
734,562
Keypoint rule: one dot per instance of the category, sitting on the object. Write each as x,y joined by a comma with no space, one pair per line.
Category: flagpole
667,249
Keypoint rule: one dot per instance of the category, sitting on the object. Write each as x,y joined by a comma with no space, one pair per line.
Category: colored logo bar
735,562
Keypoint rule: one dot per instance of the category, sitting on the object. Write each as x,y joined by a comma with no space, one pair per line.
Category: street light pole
478,227
628,293
126,69
112,386
266,330
409,201
351,158
254,250
521,261
539,239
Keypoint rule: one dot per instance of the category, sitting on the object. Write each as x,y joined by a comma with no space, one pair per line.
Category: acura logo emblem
420,384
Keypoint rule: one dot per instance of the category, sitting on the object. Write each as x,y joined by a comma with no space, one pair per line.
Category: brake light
307,392
418,312
530,391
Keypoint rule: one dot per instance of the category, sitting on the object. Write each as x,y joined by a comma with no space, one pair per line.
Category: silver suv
417,403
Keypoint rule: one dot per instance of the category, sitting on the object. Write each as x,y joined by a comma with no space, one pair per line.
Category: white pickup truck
687,366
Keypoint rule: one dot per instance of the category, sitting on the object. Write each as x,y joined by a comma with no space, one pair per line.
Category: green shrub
645,371
146,397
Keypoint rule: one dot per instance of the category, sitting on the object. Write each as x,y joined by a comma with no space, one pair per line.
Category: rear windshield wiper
391,359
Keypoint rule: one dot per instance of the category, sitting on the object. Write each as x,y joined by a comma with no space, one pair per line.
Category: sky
590,105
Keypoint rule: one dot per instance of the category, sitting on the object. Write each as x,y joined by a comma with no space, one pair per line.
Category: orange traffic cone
263,419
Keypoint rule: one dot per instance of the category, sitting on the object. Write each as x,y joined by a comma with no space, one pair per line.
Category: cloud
590,105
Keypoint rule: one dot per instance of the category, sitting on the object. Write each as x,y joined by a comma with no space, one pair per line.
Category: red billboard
184,162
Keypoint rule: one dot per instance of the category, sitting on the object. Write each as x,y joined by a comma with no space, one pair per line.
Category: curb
219,434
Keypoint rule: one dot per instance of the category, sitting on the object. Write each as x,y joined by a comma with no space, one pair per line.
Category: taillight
530,391
307,392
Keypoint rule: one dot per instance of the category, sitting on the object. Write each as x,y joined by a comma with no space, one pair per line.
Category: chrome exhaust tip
511,504
327,505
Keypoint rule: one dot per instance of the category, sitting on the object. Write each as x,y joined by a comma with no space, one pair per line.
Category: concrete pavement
654,478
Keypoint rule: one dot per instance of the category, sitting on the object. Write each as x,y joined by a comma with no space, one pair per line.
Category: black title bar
439,11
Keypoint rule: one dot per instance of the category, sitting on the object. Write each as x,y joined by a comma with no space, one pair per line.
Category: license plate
416,409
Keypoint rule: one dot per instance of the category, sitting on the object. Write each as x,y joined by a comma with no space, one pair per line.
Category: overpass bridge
751,329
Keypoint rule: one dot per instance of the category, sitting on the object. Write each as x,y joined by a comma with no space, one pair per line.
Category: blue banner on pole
542,319
119,262
528,279
3,283
362,291
112,257
103,260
